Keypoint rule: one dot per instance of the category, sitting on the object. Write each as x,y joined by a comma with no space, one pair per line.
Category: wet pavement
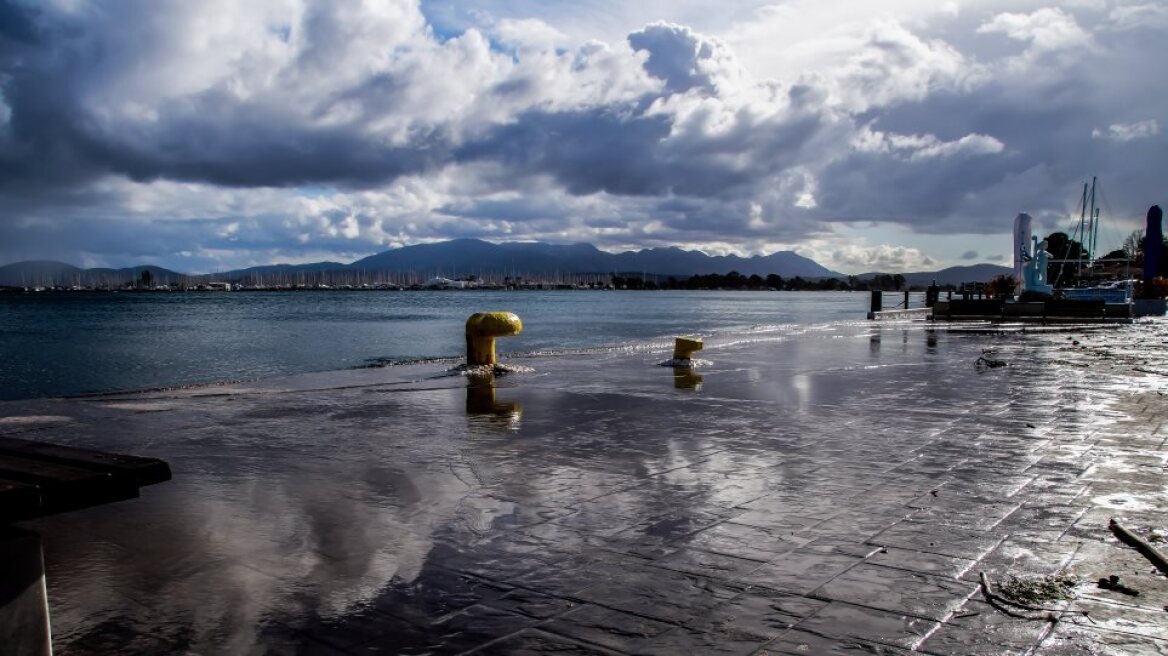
831,490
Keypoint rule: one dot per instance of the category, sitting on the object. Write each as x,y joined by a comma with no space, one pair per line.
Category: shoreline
844,485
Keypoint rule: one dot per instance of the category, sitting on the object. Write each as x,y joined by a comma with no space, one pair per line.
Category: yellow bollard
684,347
482,329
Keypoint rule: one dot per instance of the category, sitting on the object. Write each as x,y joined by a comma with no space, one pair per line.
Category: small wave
713,339
489,370
685,363
377,363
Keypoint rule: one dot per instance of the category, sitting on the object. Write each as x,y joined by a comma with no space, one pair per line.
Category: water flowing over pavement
829,490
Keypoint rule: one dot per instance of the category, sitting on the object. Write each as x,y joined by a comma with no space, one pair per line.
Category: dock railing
903,304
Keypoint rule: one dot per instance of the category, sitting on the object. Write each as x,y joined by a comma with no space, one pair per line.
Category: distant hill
461,257
46,273
35,272
952,275
472,256
270,270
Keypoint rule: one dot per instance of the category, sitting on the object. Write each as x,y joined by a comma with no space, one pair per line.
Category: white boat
1115,291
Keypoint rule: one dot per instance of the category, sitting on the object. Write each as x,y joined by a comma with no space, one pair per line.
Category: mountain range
48,272
462,257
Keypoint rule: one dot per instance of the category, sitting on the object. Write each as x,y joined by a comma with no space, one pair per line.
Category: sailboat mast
1082,231
1094,220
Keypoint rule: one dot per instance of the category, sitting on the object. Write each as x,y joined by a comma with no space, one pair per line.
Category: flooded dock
836,489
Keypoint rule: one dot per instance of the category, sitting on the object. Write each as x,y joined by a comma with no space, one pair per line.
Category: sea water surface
54,344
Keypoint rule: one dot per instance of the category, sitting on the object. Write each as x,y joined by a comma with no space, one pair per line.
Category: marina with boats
1059,282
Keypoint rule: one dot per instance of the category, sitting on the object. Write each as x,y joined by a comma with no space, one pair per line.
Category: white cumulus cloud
1047,29
1128,131
919,147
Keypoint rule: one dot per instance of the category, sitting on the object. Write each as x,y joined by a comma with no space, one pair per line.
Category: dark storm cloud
707,132
252,148
55,136
601,150
677,56
577,148
1046,108
215,136
857,188
16,24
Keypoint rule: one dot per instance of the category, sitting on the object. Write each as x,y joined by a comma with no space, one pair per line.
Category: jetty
975,306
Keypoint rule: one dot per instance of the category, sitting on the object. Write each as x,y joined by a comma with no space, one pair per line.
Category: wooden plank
144,471
62,487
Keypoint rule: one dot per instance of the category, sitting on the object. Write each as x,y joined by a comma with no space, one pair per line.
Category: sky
900,135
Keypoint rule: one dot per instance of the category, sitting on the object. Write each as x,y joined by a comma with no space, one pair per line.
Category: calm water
58,344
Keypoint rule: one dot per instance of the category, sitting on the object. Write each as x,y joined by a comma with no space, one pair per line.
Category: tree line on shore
737,281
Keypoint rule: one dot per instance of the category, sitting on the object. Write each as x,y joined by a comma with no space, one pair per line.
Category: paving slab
888,588
844,621
979,629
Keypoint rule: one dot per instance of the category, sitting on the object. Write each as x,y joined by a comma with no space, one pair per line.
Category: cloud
1139,16
684,60
1046,30
969,255
1128,131
883,257
528,32
287,129
344,93
893,65
920,147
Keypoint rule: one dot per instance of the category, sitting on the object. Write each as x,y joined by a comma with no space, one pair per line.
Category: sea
73,343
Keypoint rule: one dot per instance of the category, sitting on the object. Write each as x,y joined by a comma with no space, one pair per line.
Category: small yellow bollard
684,347
481,330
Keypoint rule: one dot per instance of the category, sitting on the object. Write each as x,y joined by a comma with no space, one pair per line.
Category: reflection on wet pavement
828,492
686,378
481,403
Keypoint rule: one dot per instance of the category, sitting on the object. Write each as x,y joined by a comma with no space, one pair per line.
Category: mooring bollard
481,330
877,301
684,347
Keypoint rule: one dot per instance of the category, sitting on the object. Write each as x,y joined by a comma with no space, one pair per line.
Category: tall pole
1082,231
1094,222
